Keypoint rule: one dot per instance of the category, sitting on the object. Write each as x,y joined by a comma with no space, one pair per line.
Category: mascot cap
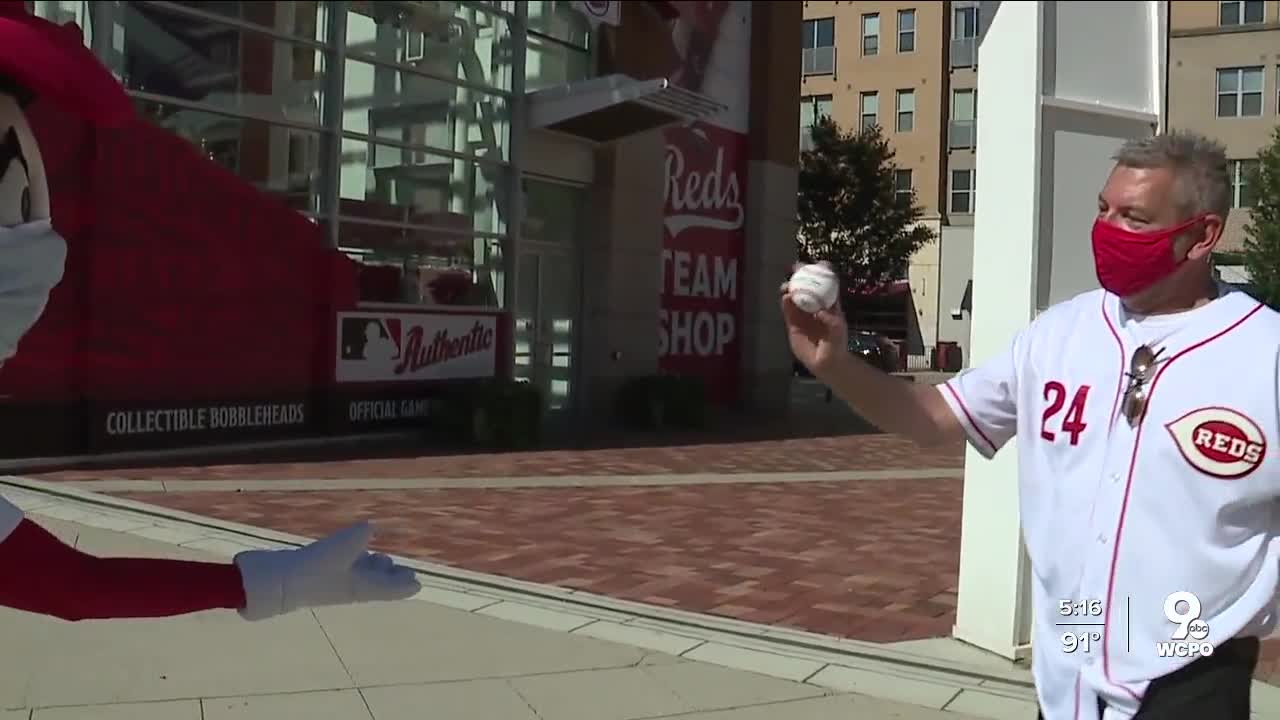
51,62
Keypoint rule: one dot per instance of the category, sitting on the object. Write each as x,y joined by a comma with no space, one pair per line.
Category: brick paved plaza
866,559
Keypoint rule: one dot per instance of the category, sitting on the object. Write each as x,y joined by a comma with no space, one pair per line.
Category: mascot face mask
32,254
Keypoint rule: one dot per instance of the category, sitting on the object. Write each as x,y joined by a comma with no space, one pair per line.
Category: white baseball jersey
1116,518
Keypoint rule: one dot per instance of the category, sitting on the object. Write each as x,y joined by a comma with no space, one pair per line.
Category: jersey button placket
1106,517
1119,457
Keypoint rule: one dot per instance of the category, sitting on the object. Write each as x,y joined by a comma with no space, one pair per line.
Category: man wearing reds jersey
1142,413
45,63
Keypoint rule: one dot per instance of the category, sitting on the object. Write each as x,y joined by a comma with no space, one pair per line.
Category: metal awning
612,107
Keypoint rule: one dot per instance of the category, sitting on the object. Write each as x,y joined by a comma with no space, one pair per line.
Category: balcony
964,52
962,134
818,61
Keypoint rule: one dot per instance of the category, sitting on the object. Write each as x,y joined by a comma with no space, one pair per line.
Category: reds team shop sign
704,236
703,240
403,347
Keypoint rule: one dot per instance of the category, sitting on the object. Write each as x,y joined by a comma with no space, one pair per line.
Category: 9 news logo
1187,641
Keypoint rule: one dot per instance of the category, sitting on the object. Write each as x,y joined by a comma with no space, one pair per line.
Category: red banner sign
702,256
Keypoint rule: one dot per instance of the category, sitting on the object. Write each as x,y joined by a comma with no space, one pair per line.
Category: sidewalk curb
822,661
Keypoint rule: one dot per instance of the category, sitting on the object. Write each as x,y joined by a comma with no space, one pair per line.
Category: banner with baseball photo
700,316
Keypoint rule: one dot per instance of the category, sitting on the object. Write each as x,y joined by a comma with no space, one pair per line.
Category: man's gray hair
1202,180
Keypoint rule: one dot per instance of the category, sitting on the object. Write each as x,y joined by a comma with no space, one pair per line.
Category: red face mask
1129,262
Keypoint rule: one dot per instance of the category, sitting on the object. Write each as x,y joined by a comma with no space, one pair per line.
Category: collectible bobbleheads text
1081,620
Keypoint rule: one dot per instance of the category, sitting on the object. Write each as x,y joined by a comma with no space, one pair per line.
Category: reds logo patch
1219,441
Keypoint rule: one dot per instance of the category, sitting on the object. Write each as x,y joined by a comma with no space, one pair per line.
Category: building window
549,18
426,37
965,26
906,31
871,34
902,186
818,46
415,44
549,62
962,191
1240,92
906,111
1240,12
962,132
1243,193
560,49
812,108
869,110
964,37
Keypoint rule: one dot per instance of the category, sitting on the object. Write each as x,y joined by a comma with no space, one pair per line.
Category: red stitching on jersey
1115,404
964,409
1124,505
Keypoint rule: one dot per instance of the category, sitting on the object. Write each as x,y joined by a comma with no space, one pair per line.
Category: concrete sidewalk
400,661
469,647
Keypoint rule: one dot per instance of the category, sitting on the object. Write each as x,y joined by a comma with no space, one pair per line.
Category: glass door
549,293
525,321
558,331
546,324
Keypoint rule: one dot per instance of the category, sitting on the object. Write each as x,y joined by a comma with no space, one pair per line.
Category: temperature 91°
1080,641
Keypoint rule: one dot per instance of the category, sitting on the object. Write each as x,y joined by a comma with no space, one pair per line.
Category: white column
990,612
1061,85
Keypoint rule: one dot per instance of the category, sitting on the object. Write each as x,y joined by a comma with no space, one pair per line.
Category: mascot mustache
24,192
11,150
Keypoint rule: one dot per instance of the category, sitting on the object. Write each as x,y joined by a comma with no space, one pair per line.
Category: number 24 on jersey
1055,422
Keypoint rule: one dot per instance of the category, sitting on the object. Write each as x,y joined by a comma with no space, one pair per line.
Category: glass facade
559,45
389,123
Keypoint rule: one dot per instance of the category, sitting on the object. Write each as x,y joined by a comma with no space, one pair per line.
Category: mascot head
39,62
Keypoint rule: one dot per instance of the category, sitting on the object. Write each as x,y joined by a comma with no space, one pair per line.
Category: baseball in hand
813,288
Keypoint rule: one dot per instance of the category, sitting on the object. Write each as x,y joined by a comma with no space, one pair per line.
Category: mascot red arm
41,574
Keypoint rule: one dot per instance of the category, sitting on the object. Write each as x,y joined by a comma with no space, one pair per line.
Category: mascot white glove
337,570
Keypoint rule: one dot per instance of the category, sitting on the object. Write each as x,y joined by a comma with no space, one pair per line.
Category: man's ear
1204,237
24,189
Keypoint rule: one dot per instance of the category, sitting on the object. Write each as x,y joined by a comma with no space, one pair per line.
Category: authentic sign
402,347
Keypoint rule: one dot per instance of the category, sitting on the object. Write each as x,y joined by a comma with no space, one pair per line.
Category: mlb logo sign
400,347
370,338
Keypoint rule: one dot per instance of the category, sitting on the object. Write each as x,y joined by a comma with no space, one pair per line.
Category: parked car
873,347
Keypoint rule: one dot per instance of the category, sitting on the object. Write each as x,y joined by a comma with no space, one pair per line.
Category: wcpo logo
1219,441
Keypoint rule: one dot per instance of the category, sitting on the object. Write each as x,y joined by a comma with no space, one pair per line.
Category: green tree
849,211
1262,244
